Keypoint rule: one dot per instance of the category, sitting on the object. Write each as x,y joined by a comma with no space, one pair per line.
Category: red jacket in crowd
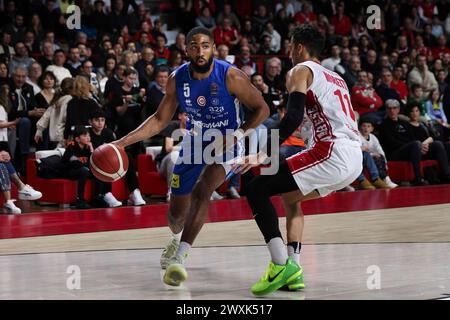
365,99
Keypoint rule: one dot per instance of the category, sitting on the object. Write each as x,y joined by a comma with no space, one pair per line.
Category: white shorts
326,167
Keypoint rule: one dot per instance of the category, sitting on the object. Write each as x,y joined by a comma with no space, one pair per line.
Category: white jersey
328,108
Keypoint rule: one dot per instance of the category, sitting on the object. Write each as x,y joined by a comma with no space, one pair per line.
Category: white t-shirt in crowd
3,118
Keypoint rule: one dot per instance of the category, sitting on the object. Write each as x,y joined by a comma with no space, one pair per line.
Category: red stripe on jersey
320,123
319,153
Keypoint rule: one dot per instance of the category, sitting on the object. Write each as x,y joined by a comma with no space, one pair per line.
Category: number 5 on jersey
186,90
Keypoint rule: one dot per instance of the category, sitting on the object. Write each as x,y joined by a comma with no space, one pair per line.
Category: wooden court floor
401,253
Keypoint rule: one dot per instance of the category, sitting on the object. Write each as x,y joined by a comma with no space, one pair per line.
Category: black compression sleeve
294,115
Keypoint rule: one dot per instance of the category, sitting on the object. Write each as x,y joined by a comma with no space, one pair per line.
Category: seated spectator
34,73
266,48
7,128
54,118
205,19
74,61
260,19
47,56
418,98
24,107
366,101
399,85
162,53
341,22
115,82
47,82
243,59
80,107
399,142
441,48
306,15
126,107
272,99
420,75
374,160
8,173
334,60
274,36
226,34
75,162
431,149
180,45
99,135
350,73
175,60
222,52
21,58
156,91
58,68
227,13
384,90
435,111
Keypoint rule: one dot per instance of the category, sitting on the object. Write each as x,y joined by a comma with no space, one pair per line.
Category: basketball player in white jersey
332,161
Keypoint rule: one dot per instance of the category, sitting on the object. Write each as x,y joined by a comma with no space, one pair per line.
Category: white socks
277,251
177,236
183,249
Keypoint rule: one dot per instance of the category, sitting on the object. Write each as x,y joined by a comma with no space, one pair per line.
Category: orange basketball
109,163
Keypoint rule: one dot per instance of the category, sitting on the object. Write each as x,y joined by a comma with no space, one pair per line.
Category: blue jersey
207,102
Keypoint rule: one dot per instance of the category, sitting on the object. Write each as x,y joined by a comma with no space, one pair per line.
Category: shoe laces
171,248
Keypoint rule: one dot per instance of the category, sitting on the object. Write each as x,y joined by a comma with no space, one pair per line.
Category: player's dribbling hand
246,163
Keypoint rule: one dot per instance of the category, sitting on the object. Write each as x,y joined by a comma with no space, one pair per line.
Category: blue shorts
185,175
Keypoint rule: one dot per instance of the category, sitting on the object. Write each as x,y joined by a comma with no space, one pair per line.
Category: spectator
24,107
98,18
180,45
384,90
275,43
366,101
350,74
47,83
80,107
175,60
417,97
99,135
222,52
306,15
435,111
398,141
430,148
7,128
58,67
118,18
248,33
156,91
398,84
271,96
226,34
442,84
126,107
341,22
107,70
266,48
34,73
441,48
422,76
5,45
115,82
227,13
54,118
8,173
370,63
243,59
17,28
260,19
20,59
374,160
205,19
334,60
74,61
162,53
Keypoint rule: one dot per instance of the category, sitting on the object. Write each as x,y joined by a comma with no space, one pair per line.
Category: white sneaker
216,196
111,201
233,193
10,207
348,188
135,198
28,193
389,182
169,252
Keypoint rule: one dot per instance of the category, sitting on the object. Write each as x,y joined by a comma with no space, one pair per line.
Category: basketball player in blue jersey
209,91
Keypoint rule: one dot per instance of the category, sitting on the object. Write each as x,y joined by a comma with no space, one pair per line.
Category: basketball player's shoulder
298,73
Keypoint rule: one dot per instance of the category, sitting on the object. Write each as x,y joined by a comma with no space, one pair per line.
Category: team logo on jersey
201,101
214,89
188,102
175,181
215,101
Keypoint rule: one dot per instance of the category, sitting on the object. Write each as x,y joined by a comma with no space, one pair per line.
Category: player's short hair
199,30
310,37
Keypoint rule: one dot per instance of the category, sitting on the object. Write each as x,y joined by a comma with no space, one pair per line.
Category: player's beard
201,69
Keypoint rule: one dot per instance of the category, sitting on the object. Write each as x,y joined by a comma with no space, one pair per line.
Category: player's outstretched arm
239,84
157,121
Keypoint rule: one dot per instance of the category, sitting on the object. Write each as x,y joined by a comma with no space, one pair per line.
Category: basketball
109,163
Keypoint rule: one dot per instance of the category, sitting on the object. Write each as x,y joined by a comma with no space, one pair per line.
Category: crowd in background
120,59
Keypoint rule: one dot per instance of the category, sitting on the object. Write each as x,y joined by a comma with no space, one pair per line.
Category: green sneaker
295,285
276,276
169,252
175,272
